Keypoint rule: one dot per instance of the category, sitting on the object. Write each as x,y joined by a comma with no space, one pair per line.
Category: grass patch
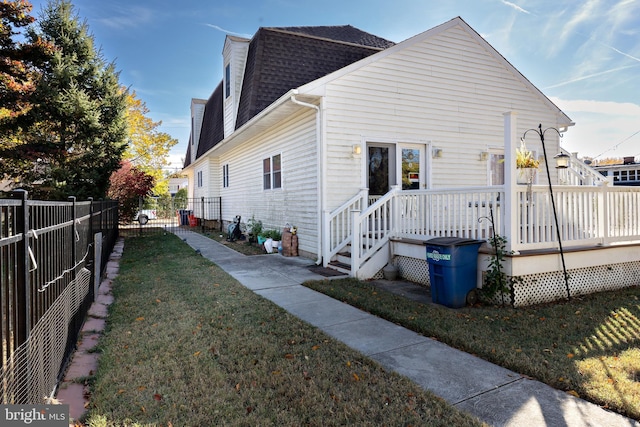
587,347
188,345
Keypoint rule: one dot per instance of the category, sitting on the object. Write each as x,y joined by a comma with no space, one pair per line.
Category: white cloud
515,6
602,128
215,27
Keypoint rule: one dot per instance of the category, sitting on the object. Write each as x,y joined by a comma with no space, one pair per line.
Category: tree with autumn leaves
18,62
141,171
148,147
73,134
66,122
128,185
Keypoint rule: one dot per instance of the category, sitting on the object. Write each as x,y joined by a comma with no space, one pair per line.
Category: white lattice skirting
544,287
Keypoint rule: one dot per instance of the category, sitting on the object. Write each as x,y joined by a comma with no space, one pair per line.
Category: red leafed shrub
127,185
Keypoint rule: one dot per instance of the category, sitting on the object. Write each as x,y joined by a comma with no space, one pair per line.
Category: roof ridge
322,32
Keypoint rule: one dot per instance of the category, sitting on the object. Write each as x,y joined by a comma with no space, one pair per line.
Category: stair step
340,265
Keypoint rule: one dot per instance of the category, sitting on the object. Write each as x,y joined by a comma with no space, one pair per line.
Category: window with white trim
225,175
272,172
199,176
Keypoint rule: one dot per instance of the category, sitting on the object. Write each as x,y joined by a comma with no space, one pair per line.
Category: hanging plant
524,158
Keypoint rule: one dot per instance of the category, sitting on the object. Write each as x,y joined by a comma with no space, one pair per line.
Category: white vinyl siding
448,90
235,55
296,202
197,113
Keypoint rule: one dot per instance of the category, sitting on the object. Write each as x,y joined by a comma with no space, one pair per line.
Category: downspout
320,174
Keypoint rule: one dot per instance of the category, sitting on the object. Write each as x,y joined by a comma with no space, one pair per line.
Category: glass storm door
380,168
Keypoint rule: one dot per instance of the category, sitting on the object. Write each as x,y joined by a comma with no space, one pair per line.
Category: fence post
22,300
220,212
74,231
202,221
22,289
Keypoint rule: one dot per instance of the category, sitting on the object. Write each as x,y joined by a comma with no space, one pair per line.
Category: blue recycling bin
453,269
184,216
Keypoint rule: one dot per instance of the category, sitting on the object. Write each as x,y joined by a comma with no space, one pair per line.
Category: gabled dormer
234,56
197,114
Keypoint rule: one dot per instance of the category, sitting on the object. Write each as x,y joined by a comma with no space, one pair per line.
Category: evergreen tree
75,134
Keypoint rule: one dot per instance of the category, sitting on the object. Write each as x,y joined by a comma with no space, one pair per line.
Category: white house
625,173
363,143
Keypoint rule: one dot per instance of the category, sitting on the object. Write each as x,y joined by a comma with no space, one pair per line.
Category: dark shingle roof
212,130
344,33
187,157
280,59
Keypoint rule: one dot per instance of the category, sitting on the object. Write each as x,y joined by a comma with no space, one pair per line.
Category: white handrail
338,229
579,173
588,215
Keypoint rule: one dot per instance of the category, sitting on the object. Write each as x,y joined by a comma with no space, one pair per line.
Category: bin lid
453,241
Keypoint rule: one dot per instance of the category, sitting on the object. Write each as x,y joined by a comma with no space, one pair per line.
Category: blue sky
583,54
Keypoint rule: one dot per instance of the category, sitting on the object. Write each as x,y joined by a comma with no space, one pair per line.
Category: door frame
424,166
396,147
392,161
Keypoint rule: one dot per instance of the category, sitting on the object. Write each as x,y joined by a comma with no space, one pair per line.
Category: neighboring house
627,173
360,142
176,183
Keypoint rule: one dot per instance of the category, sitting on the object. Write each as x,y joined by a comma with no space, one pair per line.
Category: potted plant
526,164
255,229
272,237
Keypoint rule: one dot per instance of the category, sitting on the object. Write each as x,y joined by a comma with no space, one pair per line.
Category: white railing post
603,214
511,221
394,211
326,238
356,233
364,198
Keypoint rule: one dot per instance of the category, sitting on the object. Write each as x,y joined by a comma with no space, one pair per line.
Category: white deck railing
456,212
588,216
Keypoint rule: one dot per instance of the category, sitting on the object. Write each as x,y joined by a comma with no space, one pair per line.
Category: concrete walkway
495,395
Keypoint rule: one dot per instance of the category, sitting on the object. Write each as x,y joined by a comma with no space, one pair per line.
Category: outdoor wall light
436,153
356,149
484,156
562,160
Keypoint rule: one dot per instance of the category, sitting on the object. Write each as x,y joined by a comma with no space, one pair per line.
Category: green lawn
187,345
588,347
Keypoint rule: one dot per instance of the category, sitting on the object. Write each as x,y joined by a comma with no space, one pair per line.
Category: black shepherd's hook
495,245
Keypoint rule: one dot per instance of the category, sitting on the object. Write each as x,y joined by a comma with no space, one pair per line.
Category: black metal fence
177,214
49,274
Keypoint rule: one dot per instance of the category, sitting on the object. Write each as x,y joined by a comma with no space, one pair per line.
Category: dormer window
227,81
